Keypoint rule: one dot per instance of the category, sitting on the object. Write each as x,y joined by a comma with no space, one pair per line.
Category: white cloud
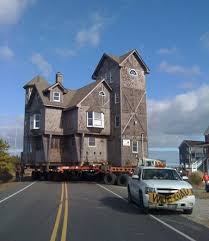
12,10
167,51
183,117
6,52
41,64
205,39
91,35
188,85
65,52
179,70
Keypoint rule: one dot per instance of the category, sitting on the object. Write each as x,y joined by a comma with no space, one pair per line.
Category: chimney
59,77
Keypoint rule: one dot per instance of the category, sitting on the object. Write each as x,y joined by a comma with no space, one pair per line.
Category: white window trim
133,74
54,100
102,93
117,116
94,142
33,122
93,120
117,98
137,147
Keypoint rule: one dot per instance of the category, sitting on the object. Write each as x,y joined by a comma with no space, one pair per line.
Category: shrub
196,178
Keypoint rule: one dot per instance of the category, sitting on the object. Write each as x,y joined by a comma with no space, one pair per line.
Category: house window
89,119
117,98
135,147
92,141
95,119
102,93
28,94
73,141
56,96
35,121
133,72
30,147
117,121
108,77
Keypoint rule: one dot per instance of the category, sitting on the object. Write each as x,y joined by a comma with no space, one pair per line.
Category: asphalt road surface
50,211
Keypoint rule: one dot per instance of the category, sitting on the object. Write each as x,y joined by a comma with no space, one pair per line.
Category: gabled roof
56,84
71,99
120,60
192,143
83,92
37,80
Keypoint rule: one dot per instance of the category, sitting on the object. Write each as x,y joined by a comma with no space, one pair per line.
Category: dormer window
56,96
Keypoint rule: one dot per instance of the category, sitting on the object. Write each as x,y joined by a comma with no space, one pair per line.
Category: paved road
49,211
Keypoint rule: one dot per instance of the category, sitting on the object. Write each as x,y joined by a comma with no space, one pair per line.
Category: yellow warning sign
162,199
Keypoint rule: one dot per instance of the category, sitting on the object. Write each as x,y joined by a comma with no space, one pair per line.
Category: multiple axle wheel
108,178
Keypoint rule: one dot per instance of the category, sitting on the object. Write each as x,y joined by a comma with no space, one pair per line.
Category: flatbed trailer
101,172
98,171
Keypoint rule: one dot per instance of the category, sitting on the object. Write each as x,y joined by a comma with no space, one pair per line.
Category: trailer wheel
110,179
122,180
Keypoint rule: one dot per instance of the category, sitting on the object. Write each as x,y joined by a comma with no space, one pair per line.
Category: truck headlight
149,189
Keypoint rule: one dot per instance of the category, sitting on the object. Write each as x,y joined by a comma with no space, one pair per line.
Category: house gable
126,58
99,96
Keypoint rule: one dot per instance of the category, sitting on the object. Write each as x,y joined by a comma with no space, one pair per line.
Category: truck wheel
110,179
188,211
122,180
143,209
129,196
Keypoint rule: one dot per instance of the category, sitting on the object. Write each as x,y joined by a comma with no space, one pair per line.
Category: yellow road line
64,227
57,221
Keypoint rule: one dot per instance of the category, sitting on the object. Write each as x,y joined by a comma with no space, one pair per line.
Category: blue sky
43,37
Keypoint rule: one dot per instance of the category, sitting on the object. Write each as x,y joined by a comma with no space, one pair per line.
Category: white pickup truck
160,188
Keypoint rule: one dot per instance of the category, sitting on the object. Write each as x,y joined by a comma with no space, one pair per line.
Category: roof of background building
194,143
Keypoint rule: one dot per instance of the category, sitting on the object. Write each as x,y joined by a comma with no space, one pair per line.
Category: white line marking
152,216
1,201
172,228
111,192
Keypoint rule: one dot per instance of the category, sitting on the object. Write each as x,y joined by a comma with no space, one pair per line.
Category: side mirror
135,177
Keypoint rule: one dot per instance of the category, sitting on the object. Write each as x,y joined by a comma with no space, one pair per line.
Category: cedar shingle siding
63,135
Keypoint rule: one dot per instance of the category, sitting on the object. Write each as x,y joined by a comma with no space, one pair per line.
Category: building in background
193,155
103,121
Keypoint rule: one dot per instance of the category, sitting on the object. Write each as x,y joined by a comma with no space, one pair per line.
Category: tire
122,180
188,211
110,179
130,200
142,208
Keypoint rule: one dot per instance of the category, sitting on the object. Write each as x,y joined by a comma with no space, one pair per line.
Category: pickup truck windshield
160,174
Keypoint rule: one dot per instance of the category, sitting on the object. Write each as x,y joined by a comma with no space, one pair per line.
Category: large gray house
103,121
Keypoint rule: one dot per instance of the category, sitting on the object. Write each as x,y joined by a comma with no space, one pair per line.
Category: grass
199,191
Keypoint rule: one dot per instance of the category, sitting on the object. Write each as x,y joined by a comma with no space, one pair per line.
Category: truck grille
166,191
